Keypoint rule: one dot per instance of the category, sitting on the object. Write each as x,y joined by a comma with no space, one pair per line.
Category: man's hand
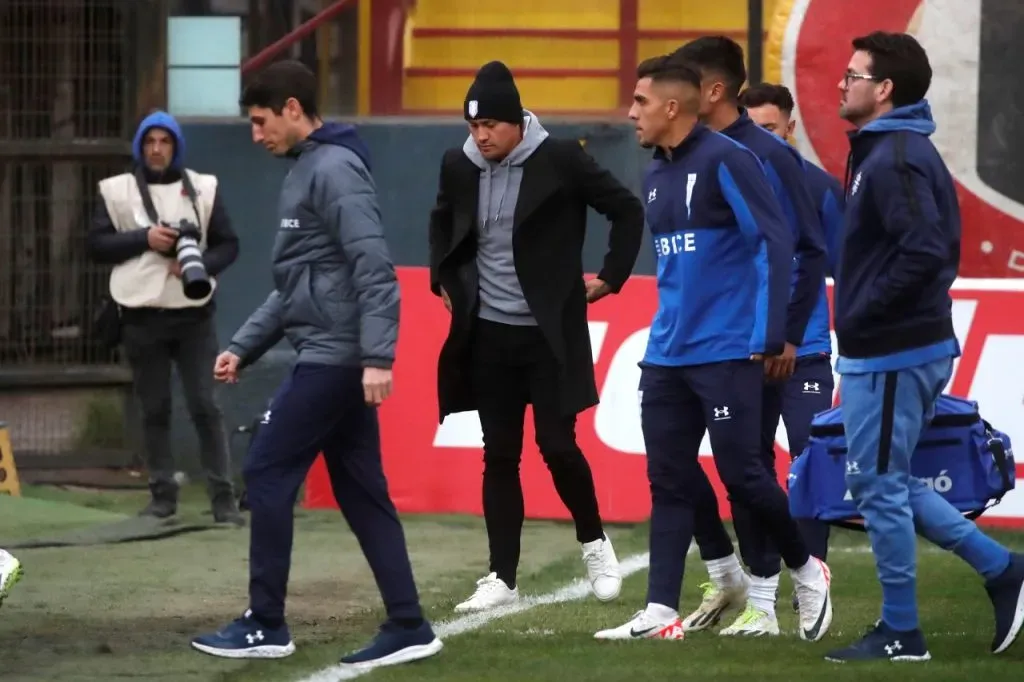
174,267
161,238
447,301
781,367
596,289
226,368
376,385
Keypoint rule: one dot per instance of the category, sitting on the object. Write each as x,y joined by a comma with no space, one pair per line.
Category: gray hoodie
501,297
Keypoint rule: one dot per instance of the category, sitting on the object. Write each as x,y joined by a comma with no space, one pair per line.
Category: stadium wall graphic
975,96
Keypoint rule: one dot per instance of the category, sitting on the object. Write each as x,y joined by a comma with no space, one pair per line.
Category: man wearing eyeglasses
893,319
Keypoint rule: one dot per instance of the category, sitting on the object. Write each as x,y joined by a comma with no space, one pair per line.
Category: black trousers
513,366
153,340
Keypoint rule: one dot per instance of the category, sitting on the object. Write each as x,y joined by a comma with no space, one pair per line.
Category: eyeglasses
853,75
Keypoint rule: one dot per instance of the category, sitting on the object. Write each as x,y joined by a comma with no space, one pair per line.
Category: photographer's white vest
144,281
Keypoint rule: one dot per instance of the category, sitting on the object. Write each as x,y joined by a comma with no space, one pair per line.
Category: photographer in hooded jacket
165,230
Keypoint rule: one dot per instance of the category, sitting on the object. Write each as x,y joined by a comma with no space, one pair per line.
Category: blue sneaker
882,642
394,645
245,637
1007,595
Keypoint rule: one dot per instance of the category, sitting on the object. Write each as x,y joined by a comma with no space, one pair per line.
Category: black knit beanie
493,95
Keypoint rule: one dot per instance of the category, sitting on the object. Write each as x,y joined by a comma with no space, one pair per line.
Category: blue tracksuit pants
795,401
320,408
677,405
884,415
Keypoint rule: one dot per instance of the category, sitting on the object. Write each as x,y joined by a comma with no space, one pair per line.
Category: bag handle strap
995,444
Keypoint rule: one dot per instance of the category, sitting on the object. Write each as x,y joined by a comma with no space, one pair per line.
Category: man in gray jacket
336,300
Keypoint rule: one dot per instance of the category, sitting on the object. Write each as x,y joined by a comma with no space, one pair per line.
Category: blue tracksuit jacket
807,321
901,248
724,254
828,196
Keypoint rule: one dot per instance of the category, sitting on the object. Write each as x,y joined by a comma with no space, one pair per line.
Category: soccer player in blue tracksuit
771,107
798,384
900,255
724,255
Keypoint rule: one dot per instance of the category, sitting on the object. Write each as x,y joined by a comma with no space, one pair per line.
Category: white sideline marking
574,591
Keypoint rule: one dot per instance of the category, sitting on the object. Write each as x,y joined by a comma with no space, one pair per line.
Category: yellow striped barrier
9,484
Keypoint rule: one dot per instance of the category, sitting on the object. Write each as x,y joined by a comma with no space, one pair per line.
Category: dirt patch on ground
102,612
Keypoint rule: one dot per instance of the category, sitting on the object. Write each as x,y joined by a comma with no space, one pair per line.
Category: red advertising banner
436,468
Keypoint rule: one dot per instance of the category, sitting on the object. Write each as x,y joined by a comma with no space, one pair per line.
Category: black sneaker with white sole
883,643
395,645
1007,595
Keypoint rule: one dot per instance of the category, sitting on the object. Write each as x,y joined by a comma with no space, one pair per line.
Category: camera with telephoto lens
194,278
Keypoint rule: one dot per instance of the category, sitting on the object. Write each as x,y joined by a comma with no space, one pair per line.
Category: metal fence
75,77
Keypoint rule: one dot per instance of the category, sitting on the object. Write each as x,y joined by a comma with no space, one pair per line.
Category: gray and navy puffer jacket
336,294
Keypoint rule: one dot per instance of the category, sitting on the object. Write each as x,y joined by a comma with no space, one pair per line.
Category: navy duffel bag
960,456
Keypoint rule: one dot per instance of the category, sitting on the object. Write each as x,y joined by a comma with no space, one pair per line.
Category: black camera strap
147,199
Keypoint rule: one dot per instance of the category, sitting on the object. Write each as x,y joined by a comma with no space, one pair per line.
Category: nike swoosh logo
813,632
640,633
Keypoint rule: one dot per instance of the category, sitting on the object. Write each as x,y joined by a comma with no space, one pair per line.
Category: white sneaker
644,626
753,622
814,599
10,573
716,602
491,592
602,569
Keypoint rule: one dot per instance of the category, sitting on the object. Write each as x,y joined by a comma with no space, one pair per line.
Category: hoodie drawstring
486,199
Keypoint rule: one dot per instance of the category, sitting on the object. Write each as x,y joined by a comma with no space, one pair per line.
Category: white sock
725,572
661,613
808,573
762,592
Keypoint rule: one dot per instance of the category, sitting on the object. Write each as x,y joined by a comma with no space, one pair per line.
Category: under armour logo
812,387
652,195
852,467
890,649
721,413
266,418
258,637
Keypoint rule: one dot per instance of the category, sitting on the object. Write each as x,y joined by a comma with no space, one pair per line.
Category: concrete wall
406,159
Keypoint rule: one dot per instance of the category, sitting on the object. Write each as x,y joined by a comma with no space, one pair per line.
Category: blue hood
342,135
916,118
160,119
